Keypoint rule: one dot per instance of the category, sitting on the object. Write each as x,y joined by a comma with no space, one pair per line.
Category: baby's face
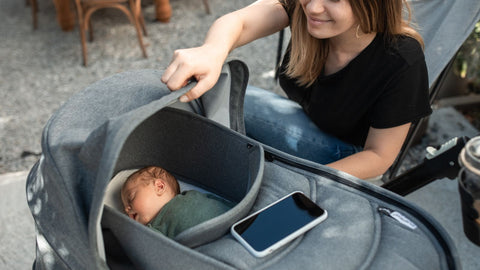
143,202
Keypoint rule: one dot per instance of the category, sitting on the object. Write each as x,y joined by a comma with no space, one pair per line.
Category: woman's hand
204,64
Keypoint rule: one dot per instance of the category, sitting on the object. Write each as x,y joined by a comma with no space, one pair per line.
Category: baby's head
146,191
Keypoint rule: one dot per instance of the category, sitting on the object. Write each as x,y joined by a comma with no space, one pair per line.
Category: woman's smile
318,21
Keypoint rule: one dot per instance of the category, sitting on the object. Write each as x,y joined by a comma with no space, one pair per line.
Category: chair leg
135,7
142,23
134,15
140,39
84,44
81,28
90,31
207,6
34,6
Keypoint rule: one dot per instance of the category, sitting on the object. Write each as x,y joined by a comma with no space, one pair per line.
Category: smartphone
278,223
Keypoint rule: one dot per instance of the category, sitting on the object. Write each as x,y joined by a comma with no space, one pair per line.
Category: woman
354,73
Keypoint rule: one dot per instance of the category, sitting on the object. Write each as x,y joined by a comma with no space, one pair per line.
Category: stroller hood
111,126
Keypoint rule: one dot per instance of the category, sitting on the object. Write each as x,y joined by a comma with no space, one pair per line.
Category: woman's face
328,18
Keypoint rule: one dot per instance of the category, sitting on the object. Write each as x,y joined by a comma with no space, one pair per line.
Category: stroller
131,120
80,225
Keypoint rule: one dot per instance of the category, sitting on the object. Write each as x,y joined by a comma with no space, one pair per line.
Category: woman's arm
204,63
381,148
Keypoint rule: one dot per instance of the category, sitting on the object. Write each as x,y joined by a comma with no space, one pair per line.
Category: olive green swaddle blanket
186,210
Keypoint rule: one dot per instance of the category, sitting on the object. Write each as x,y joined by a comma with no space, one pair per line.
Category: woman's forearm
364,165
381,149
243,26
230,31
224,33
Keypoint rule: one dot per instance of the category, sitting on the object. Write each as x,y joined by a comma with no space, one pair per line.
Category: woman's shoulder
407,48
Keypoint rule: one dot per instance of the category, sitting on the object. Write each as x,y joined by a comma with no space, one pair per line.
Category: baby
152,197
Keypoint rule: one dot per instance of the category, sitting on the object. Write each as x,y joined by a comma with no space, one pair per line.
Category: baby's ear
160,186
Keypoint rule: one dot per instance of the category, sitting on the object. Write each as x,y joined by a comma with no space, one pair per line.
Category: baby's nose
129,211
131,214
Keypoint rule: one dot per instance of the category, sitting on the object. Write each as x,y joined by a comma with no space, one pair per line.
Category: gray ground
40,70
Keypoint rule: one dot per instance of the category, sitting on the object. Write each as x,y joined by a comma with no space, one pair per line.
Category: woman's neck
344,48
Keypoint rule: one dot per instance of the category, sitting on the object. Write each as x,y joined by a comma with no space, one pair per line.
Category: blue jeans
282,124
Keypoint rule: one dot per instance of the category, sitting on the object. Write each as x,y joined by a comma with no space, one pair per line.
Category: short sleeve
289,6
405,97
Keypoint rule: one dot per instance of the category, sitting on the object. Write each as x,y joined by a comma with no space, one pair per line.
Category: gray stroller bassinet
132,120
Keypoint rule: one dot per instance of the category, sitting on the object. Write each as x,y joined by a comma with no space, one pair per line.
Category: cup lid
470,155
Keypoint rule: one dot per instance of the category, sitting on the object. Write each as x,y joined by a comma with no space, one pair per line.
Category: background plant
467,61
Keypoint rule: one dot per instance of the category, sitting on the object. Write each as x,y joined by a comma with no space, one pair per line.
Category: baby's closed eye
130,197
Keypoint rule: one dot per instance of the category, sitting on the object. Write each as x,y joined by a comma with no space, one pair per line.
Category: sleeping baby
152,197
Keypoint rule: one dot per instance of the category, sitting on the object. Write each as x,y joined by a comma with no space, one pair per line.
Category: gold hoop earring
356,32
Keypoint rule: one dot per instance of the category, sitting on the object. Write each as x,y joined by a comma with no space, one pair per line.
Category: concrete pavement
17,233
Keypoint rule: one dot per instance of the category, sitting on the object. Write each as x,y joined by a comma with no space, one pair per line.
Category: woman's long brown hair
308,54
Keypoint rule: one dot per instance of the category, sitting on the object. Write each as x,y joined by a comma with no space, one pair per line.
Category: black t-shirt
385,86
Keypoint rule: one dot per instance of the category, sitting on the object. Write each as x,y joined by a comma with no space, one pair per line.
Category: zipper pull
398,217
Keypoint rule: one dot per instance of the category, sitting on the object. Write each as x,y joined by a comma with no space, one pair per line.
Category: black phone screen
276,222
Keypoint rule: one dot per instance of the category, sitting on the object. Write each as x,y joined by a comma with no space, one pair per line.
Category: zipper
399,217
383,210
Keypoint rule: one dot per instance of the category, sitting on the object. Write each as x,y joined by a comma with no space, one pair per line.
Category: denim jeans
282,124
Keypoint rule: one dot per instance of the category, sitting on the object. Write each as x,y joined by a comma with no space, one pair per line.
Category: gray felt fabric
354,236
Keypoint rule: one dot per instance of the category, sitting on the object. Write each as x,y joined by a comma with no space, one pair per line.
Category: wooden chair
131,8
